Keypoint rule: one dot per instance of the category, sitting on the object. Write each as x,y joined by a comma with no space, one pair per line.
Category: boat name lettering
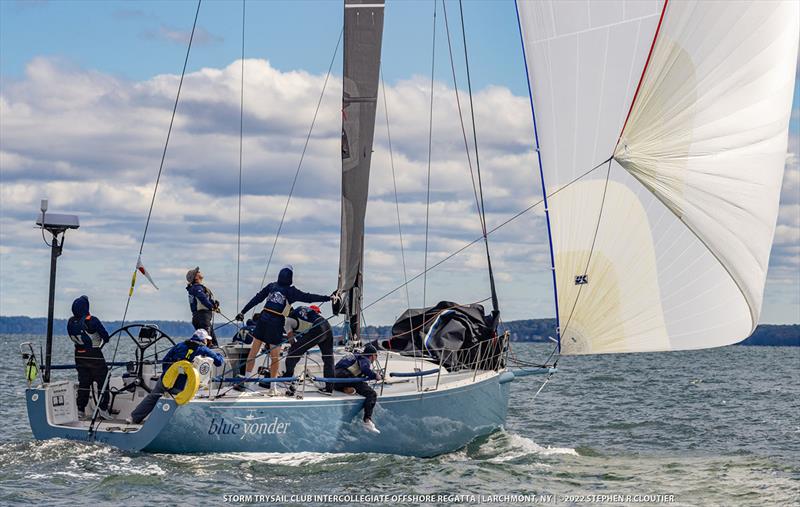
219,426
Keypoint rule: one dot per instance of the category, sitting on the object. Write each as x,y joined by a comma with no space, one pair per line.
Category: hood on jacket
285,276
80,307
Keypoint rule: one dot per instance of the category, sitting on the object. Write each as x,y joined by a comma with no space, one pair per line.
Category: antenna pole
55,252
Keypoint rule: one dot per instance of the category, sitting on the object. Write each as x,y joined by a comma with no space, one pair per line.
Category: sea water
711,427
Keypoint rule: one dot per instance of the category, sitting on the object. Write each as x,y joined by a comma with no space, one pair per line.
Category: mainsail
662,130
363,31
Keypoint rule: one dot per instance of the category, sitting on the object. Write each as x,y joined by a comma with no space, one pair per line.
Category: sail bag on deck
458,336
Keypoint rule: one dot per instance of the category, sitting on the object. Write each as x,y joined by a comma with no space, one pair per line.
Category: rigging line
241,141
153,199
397,206
591,249
541,177
164,153
495,303
461,118
430,143
491,231
302,156
394,183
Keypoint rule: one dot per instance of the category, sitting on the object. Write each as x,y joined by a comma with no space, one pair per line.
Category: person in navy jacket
88,335
307,328
279,296
187,350
358,366
201,303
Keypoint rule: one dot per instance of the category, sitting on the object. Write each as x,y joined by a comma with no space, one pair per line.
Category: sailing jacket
357,365
245,334
301,319
280,295
187,350
85,330
200,298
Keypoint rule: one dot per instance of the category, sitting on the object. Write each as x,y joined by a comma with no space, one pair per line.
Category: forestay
363,30
666,245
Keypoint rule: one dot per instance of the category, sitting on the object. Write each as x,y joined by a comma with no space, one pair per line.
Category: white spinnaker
656,282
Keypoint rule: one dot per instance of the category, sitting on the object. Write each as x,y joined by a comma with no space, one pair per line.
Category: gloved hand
335,297
239,317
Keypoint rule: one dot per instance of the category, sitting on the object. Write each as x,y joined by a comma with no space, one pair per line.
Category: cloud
202,37
93,145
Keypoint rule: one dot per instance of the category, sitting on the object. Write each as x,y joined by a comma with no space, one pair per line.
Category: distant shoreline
530,330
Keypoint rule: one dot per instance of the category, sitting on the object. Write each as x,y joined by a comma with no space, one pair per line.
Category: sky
86,94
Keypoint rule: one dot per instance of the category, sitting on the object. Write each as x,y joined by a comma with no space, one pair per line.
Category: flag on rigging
141,269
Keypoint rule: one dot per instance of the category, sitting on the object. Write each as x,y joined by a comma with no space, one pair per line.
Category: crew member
88,334
358,366
279,296
307,328
201,303
197,345
244,336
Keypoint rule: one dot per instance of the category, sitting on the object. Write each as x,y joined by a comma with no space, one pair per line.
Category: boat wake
504,446
295,459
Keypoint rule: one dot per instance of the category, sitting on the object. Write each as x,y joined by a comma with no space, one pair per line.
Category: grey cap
191,274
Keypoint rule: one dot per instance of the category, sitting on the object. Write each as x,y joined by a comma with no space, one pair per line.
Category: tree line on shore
530,330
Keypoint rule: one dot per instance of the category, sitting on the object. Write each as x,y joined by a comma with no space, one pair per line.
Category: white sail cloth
673,250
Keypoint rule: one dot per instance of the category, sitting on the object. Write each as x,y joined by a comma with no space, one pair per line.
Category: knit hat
369,349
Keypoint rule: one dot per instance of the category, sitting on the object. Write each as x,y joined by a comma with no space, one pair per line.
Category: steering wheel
143,336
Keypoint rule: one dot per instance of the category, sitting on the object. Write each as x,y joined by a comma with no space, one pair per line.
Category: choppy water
714,427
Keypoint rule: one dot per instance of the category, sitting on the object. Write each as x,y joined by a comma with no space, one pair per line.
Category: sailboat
660,132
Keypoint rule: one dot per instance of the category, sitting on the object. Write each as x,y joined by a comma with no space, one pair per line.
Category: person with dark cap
88,334
307,328
279,296
358,366
187,350
201,303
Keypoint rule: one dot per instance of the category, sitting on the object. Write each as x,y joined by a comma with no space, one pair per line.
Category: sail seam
644,71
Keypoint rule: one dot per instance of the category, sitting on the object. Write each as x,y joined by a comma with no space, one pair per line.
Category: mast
363,33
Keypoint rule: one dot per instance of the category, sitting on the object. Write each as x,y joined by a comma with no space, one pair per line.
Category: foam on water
295,459
515,446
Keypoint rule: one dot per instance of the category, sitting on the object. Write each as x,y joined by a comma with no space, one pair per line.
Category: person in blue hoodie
187,350
201,303
279,296
358,366
88,335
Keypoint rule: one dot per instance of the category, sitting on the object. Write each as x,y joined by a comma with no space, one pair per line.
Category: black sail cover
363,31
460,336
